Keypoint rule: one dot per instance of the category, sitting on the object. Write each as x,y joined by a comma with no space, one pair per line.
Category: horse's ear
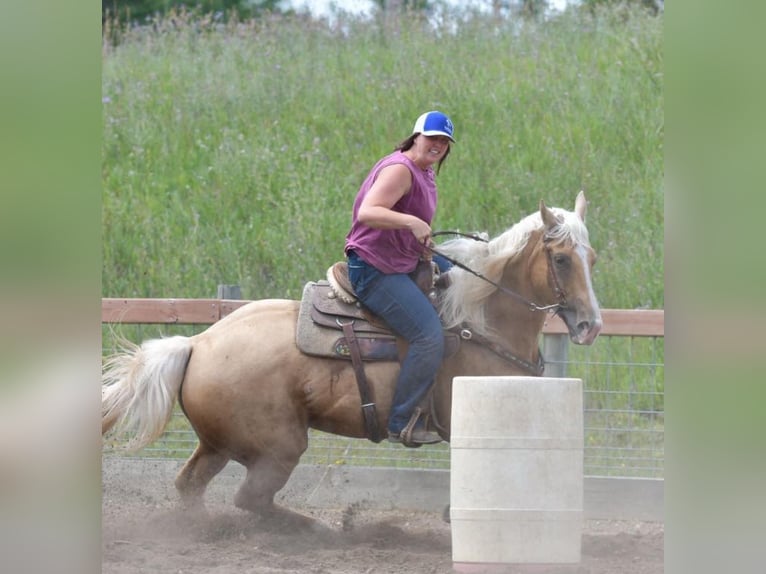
549,219
581,205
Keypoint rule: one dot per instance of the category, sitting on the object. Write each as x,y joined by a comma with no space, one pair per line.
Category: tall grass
232,152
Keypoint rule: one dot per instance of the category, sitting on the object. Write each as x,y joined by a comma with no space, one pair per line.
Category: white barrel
516,481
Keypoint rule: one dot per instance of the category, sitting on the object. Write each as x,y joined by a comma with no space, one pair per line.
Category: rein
536,369
474,236
531,305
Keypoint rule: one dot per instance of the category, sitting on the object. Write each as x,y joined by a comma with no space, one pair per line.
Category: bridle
531,305
537,368
552,276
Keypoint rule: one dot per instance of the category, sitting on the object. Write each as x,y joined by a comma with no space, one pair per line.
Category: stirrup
409,429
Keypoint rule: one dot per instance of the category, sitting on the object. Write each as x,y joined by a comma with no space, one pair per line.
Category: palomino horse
251,395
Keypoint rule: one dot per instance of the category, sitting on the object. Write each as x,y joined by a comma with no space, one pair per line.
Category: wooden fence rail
617,322
631,448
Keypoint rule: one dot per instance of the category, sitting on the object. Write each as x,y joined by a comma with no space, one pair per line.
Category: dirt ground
146,533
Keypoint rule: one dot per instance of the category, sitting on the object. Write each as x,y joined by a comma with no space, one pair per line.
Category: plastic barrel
516,479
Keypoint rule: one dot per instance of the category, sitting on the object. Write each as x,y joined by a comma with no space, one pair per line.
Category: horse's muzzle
586,332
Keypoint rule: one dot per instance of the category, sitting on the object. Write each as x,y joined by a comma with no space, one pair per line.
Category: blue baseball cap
434,124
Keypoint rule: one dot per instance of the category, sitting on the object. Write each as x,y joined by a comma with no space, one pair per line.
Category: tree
524,8
387,6
655,6
142,10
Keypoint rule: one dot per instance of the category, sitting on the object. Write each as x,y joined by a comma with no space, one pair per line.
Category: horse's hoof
195,512
284,519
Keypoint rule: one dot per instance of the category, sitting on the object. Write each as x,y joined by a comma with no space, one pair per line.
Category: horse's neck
511,318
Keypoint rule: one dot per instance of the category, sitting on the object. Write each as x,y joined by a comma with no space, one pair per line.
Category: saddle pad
320,341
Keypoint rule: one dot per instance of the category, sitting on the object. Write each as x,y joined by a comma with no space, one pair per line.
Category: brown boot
415,438
415,433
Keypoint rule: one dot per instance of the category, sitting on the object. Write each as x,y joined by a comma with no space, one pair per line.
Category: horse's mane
464,301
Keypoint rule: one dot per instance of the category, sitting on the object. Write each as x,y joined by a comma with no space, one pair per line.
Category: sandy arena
143,531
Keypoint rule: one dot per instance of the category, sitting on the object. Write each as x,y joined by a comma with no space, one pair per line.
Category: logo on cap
433,124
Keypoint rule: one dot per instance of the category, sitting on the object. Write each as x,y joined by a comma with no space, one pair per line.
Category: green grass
232,154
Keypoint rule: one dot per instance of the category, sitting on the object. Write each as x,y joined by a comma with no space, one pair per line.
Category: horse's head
570,259
544,261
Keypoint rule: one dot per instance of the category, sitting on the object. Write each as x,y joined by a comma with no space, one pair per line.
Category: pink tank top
394,250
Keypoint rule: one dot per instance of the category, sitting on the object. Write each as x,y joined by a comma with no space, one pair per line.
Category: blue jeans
398,300
442,263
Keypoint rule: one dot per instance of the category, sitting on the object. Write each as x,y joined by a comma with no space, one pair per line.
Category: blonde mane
464,301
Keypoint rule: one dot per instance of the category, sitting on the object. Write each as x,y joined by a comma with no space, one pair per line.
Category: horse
251,394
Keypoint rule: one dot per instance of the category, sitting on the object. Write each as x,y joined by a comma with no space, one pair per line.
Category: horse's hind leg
195,475
265,477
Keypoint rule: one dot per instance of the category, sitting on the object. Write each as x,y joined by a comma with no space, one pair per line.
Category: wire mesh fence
623,382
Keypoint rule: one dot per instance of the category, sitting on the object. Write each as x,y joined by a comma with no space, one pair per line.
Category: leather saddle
328,306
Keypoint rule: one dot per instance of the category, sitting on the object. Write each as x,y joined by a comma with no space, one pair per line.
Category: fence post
556,354
229,292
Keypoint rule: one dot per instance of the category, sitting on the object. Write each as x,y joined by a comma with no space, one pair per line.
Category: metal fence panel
623,382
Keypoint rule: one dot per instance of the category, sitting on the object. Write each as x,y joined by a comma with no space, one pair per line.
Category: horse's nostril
583,326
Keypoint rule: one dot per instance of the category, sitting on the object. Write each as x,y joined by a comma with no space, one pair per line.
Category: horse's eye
561,260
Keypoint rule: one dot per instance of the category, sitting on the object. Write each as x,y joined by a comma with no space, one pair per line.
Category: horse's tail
140,385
